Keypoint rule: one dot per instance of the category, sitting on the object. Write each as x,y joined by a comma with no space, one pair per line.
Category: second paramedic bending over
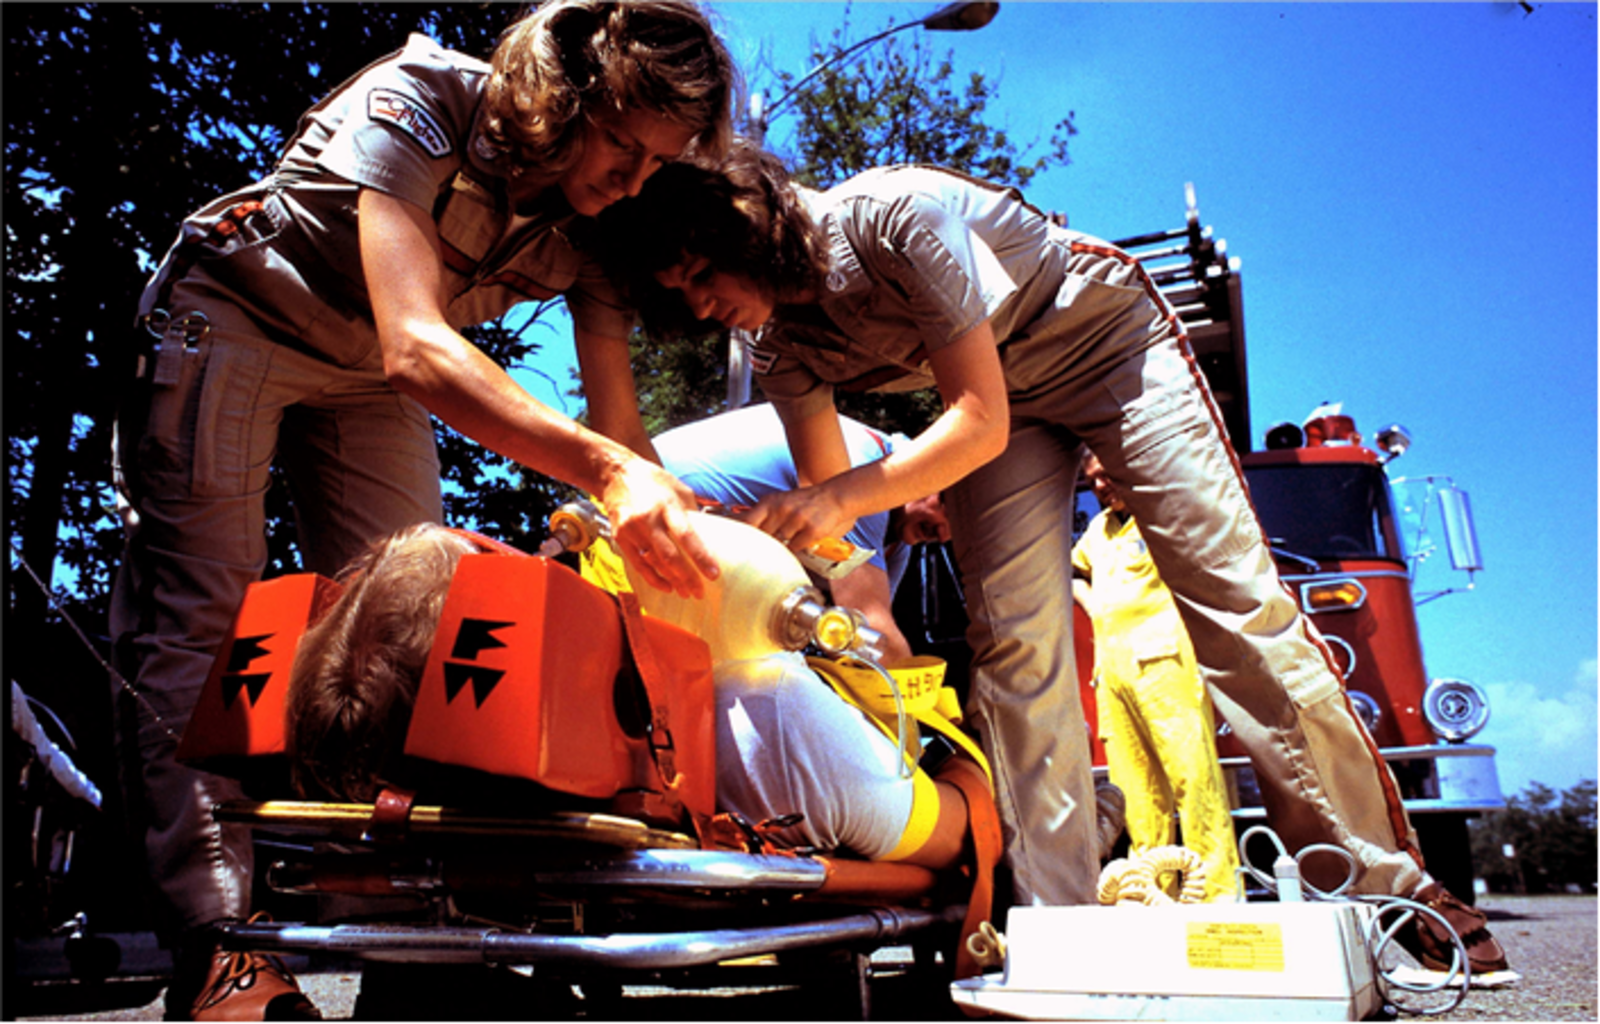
1039,340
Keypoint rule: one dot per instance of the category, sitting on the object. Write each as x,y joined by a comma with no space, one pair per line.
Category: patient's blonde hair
355,676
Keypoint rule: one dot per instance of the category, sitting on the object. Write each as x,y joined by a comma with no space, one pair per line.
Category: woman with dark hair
1041,341
313,319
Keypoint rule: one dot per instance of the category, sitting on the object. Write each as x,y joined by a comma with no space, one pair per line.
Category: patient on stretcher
786,744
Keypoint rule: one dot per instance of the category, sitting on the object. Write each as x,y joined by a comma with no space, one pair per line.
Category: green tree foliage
1552,837
119,120
892,103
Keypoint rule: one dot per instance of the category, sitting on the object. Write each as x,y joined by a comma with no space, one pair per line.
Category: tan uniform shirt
919,257
407,125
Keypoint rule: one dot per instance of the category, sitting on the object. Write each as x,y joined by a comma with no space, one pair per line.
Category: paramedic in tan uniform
1040,341
312,320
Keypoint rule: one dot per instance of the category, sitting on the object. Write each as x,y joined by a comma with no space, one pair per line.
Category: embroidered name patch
407,115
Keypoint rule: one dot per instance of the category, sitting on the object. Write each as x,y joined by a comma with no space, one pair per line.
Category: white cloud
1542,734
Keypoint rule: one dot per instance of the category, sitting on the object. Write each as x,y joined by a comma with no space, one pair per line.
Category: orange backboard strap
662,748
391,815
983,822
644,656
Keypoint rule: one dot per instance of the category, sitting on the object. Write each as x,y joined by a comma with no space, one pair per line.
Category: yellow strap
849,682
923,695
924,816
600,564
948,704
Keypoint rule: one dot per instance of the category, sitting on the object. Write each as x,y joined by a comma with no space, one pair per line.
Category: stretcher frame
601,900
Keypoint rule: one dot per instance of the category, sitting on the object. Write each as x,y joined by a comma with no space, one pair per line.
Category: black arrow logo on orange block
477,636
483,679
246,649
473,638
254,684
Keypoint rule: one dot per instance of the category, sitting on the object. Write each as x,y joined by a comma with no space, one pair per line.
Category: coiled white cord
1397,909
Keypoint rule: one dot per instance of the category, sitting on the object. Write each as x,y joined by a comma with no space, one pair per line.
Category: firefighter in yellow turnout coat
1155,718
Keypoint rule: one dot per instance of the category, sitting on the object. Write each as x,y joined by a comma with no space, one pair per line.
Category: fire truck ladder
1194,273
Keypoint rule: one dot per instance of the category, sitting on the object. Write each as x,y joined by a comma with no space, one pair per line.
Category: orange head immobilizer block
531,677
237,727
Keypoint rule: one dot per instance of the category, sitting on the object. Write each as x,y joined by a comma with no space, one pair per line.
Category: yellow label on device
1232,946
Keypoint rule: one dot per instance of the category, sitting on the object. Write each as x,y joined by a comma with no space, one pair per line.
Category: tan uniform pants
195,449
1147,415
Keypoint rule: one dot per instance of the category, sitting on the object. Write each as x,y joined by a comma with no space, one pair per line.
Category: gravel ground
1550,941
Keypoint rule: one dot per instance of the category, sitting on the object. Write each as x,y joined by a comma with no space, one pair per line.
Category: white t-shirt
787,743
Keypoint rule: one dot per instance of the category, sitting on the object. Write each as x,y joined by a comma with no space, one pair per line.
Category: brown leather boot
241,986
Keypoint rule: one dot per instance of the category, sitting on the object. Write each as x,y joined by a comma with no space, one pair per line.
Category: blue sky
1411,190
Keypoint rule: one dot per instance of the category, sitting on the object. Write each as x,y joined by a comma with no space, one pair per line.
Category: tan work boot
251,986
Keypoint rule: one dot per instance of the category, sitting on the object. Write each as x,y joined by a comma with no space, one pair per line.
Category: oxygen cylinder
753,608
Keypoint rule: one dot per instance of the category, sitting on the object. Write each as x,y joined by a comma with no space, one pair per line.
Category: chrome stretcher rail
352,821
634,951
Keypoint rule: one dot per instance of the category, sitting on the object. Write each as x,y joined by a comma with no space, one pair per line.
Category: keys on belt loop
191,328
183,334
155,323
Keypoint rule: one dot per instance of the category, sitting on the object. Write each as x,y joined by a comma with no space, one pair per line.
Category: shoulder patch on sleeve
761,361
407,115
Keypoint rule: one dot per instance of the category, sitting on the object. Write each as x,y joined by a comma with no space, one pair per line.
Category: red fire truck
1349,541
1346,546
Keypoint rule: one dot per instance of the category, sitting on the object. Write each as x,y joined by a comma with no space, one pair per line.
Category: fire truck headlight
1333,596
1344,656
1456,709
1367,710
